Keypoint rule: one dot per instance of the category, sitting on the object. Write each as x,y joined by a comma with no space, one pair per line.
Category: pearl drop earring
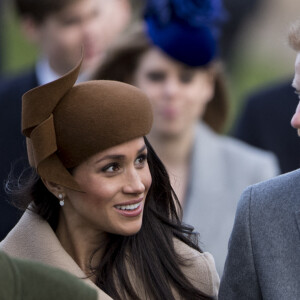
62,200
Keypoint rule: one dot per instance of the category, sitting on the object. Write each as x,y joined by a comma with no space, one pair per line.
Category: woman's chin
129,230
169,132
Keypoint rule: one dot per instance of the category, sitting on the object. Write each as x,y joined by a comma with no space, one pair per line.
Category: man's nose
295,122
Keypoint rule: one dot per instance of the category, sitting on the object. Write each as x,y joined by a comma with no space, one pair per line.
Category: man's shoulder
239,151
238,147
279,192
288,180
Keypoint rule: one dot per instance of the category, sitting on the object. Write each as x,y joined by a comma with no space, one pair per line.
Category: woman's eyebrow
118,156
142,149
112,157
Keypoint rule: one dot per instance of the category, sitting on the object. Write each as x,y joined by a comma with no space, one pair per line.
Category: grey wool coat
264,250
221,168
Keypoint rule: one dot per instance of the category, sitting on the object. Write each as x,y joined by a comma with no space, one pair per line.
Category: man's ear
54,188
31,29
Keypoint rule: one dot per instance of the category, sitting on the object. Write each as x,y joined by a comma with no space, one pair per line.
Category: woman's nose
171,87
134,183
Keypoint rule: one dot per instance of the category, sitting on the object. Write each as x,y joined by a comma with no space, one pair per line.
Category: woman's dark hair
148,255
123,59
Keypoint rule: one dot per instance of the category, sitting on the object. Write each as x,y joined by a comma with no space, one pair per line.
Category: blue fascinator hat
186,30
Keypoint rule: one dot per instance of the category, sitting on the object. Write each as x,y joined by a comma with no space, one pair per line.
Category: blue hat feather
186,30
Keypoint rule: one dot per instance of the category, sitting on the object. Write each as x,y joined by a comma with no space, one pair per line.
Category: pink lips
169,113
133,212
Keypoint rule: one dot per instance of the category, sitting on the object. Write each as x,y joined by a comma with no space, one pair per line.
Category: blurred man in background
59,29
264,120
238,14
265,123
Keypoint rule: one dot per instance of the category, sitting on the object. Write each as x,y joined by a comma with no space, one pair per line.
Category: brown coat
33,238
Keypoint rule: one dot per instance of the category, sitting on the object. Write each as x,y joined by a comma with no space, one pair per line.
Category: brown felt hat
65,123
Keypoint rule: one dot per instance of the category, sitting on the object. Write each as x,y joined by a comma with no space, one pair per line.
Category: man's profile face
295,122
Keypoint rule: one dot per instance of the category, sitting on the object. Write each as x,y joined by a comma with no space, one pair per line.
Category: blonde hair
294,36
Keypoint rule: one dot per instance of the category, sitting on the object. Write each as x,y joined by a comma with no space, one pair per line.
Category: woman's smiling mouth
131,208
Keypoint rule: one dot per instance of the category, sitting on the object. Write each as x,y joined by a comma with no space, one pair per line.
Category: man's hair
294,36
41,9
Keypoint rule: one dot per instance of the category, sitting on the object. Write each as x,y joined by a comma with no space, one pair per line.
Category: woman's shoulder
199,268
245,151
234,147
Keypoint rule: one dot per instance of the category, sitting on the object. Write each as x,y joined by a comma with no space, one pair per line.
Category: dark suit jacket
12,142
263,260
265,123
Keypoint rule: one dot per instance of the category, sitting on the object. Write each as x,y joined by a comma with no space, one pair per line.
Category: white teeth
128,207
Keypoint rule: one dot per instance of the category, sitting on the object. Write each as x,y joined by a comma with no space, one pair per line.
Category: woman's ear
54,188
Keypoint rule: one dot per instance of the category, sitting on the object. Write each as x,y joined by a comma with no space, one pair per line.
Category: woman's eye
68,22
111,168
156,76
140,161
186,76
